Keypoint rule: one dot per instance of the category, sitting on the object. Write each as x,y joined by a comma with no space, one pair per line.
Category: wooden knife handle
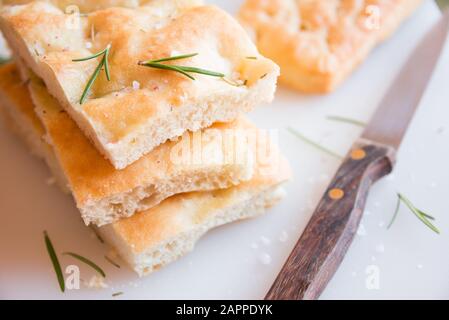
324,242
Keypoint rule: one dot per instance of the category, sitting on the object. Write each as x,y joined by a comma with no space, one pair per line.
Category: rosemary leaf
426,215
106,63
96,55
156,64
103,63
86,261
202,71
117,294
251,58
314,144
167,67
185,56
97,235
54,259
347,120
396,211
423,217
115,264
91,81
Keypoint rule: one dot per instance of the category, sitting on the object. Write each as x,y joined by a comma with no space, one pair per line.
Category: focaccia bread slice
141,107
104,194
318,43
151,239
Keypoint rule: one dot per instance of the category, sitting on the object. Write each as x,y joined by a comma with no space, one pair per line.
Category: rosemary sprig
86,261
156,64
103,63
54,260
347,120
423,217
314,144
4,60
115,264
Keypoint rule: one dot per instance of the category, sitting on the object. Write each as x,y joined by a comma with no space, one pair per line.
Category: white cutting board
410,260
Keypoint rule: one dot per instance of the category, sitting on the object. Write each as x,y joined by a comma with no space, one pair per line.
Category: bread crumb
51,181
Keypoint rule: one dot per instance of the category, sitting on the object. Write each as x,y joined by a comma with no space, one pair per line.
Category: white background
413,262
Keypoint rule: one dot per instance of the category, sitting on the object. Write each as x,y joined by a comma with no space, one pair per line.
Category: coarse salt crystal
284,236
265,258
361,231
311,180
136,85
380,248
265,240
254,245
51,181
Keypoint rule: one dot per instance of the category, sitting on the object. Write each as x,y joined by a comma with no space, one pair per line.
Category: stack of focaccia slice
149,136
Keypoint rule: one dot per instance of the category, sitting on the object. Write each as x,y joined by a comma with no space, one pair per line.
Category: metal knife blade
392,118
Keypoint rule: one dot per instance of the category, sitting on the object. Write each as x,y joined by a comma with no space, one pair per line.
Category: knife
328,235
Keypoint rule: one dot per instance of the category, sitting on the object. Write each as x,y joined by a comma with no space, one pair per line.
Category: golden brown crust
17,91
184,212
319,43
117,114
151,239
